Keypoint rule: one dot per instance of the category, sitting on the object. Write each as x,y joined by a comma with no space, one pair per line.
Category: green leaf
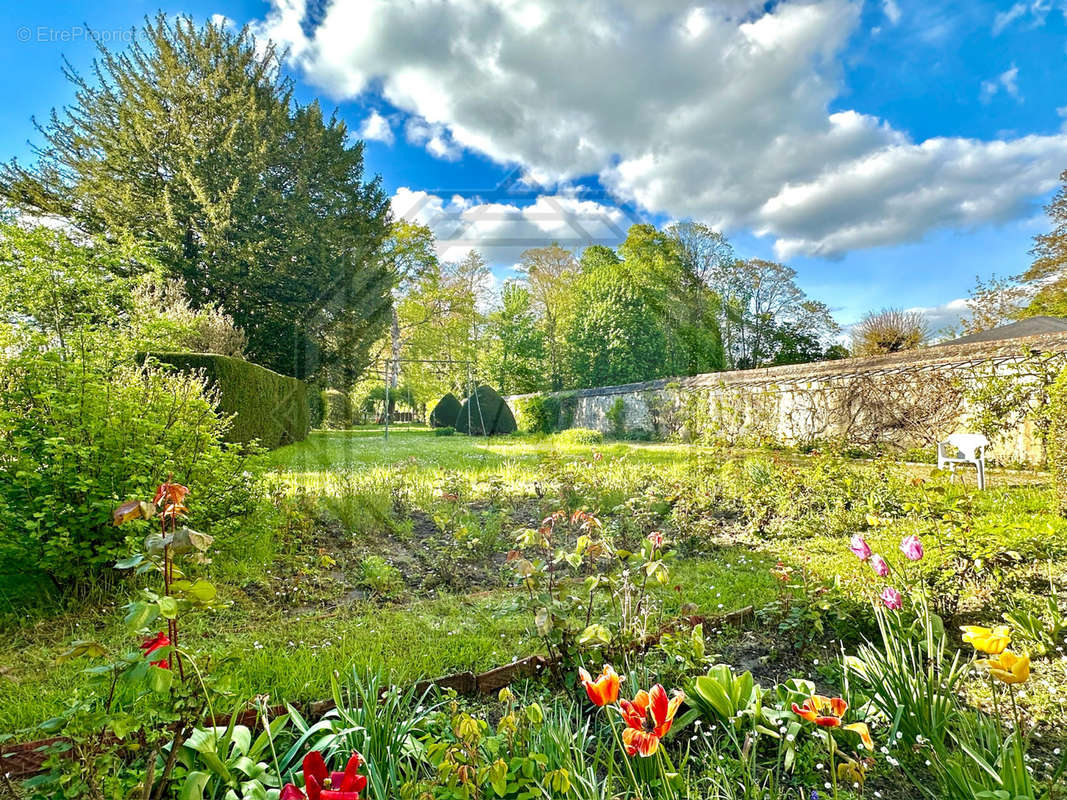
140,615
80,649
193,786
160,679
168,607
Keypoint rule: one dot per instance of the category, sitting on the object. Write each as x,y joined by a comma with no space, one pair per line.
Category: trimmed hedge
446,411
339,411
266,406
1056,444
485,407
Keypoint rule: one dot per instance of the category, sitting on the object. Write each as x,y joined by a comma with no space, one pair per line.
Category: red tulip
648,718
321,784
157,642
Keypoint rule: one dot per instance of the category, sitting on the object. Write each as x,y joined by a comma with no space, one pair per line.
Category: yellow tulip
991,641
1009,667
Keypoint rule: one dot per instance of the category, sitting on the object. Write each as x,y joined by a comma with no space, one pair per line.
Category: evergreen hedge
485,413
266,406
446,411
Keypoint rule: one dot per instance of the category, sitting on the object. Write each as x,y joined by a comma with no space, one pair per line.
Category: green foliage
257,203
374,717
539,413
999,403
81,436
446,431
266,407
485,413
579,436
316,407
615,335
382,578
515,356
231,761
1057,438
446,412
339,410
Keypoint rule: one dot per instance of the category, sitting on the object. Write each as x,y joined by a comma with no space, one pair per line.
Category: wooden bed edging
24,760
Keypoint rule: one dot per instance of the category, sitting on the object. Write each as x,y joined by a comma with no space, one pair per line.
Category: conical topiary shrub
445,412
485,413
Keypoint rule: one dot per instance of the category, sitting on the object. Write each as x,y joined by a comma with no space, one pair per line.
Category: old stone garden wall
911,399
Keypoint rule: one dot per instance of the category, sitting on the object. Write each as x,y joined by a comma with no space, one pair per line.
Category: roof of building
1033,326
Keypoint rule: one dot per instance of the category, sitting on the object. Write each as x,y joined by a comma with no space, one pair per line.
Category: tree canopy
190,142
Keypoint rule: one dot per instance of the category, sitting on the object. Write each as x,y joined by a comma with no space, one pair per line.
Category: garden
235,565
704,622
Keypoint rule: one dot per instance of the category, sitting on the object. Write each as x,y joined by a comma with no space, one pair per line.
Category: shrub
539,413
80,436
1057,439
448,431
266,407
580,436
485,413
446,411
338,410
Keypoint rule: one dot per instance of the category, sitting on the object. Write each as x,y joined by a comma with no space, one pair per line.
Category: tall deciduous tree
191,142
1049,270
514,343
890,330
550,273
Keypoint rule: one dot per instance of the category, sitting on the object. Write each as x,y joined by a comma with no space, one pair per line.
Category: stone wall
911,399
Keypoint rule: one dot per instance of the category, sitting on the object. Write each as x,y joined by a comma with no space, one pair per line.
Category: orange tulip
605,689
827,712
648,718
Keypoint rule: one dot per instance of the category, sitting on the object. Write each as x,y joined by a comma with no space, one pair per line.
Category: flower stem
625,756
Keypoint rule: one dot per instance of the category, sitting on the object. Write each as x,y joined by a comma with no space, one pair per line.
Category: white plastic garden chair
963,448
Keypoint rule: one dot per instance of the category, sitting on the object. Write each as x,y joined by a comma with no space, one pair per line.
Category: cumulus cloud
891,10
944,317
716,111
500,228
377,127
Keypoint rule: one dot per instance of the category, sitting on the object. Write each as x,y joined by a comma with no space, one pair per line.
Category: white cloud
1036,10
891,10
946,315
1005,18
502,227
377,127
713,111
1008,81
224,22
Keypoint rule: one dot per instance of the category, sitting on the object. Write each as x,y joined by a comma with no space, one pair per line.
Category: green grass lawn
341,496
291,652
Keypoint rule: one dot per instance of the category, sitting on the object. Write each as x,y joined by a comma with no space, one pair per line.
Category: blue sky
888,150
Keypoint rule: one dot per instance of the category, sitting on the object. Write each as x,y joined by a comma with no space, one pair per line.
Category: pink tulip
892,599
912,548
859,546
881,569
